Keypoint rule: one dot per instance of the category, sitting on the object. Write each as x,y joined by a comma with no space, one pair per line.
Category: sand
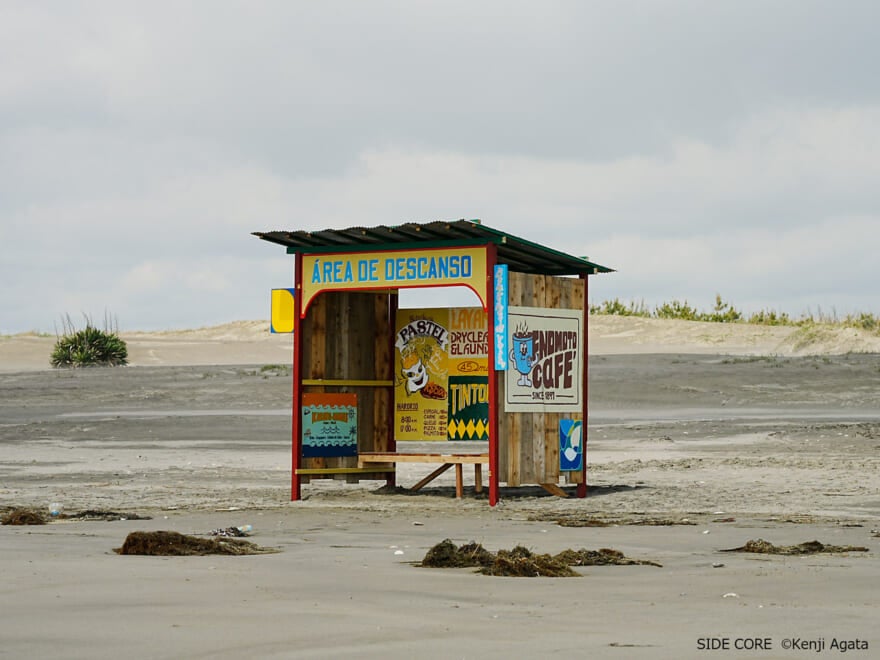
733,432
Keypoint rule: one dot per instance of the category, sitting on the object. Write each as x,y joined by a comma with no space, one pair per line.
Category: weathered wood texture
528,447
347,336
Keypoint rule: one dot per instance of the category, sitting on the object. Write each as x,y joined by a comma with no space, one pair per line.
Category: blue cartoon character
523,355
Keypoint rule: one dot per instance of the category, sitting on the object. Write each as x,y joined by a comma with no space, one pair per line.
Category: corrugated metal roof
518,253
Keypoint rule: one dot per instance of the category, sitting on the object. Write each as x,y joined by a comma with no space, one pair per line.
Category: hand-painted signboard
545,359
571,446
462,266
441,367
499,325
281,311
329,425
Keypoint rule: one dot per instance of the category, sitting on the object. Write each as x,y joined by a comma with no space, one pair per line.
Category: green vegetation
724,312
88,347
275,369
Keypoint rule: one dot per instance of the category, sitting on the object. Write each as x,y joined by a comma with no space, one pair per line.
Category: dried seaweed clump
583,522
601,557
23,517
447,555
761,546
174,544
575,520
97,514
520,561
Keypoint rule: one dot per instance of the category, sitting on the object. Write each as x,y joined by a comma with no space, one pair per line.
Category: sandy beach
701,438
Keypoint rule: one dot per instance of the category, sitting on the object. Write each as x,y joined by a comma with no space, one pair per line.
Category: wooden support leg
436,473
459,482
478,477
553,489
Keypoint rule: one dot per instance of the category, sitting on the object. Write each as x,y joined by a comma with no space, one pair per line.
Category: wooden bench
446,460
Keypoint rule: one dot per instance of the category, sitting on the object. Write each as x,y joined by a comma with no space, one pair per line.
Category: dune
251,342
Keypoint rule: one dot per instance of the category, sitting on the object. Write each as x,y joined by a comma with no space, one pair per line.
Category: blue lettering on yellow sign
334,272
428,268
396,269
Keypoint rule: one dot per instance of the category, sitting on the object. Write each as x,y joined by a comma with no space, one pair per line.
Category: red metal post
491,260
582,487
296,402
393,303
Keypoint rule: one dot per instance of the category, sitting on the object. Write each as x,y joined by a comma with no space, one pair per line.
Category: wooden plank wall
347,336
528,448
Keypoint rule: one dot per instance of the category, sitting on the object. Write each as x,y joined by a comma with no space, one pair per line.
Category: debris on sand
575,520
174,544
447,555
23,517
761,546
229,532
583,522
97,514
520,561
602,557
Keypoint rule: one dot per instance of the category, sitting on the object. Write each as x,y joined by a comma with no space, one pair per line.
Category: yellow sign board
441,370
282,311
391,269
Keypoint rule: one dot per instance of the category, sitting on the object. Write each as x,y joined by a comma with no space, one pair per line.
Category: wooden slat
315,340
514,438
382,432
393,457
551,445
504,436
537,440
344,470
347,382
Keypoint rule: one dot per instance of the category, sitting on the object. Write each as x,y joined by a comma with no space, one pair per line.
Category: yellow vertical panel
282,310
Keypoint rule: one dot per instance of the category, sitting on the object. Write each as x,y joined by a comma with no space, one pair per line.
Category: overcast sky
696,147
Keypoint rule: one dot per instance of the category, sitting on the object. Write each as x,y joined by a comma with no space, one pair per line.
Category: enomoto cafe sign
394,269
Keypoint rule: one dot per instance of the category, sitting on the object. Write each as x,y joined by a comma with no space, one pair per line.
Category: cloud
692,148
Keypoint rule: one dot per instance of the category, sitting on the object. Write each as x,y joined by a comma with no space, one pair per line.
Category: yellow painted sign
282,311
441,366
394,269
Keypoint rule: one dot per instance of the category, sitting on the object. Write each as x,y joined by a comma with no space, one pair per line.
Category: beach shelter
368,376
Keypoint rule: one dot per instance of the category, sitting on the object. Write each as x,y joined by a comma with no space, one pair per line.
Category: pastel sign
394,269
440,382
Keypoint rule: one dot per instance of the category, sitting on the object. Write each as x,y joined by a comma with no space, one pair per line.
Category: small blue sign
571,445
500,317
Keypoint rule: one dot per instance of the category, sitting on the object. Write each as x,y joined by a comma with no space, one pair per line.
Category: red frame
582,487
491,260
493,374
296,419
